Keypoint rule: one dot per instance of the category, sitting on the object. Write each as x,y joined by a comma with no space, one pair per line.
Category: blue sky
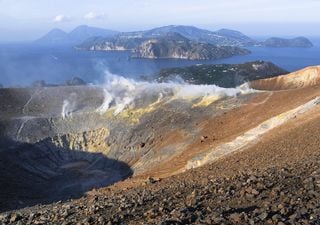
29,19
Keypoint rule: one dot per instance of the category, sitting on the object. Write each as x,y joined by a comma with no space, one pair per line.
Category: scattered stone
263,216
192,198
235,217
203,138
15,217
142,145
152,180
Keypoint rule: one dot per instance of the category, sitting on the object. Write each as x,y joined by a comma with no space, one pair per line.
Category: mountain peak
76,36
53,37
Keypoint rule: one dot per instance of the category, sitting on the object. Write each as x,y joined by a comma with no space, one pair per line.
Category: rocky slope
299,42
65,126
224,75
260,148
274,182
303,78
286,194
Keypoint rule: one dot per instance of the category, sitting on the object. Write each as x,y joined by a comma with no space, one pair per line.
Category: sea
22,64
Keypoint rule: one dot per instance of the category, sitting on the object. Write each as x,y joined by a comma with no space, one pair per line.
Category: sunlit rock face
178,47
307,77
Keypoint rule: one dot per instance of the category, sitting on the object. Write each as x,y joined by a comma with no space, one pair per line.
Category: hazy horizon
22,20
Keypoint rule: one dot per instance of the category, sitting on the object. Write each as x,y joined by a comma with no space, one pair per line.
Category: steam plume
121,93
69,105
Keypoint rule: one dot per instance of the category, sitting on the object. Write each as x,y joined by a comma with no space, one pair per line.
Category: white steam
121,93
69,105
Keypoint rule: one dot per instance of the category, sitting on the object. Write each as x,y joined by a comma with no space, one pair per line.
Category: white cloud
95,16
61,18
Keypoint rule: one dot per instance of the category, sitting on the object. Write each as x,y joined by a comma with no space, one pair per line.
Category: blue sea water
22,64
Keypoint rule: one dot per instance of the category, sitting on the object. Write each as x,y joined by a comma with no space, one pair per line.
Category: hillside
175,46
168,46
306,77
222,75
223,37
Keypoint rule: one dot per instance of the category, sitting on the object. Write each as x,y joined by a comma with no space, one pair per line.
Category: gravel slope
275,182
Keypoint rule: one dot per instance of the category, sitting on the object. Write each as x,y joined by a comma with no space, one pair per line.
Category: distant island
175,46
172,42
76,36
299,42
223,37
222,75
166,48
157,45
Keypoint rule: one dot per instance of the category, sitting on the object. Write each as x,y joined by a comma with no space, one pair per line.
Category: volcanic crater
58,143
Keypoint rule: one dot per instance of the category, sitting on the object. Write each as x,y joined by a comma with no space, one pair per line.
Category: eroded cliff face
90,141
184,49
108,46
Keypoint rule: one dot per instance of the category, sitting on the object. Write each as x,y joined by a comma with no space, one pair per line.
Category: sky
24,20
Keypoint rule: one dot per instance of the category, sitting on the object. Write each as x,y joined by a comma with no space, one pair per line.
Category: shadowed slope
43,173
